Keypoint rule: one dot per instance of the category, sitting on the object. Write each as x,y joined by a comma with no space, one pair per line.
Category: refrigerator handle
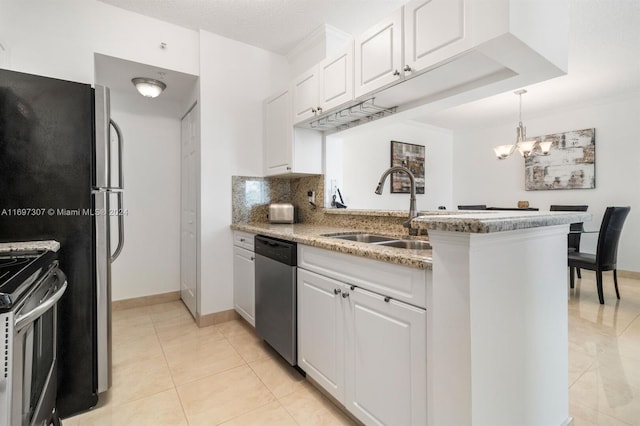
120,213
120,141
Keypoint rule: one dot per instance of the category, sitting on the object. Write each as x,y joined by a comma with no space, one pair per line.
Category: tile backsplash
251,197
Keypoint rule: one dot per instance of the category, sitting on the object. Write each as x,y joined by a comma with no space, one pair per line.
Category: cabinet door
378,55
321,330
336,80
278,134
305,90
434,31
386,379
244,283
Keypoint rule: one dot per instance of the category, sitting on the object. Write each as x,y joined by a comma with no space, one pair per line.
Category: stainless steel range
30,286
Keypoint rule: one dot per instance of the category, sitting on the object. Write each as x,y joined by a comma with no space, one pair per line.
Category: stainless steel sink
383,240
407,244
362,238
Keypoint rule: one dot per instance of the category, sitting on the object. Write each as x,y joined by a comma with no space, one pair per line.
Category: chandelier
525,146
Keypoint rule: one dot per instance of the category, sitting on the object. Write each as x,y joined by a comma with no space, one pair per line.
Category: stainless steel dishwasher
275,295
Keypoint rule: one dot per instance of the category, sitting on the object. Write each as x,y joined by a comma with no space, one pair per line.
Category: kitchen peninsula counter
452,221
319,236
473,221
496,307
489,221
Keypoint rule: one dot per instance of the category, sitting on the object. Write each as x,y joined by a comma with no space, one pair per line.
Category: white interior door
188,211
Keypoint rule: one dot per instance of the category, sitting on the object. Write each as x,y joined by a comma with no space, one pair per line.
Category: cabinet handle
407,68
387,298
313,110
319,110
337,291
253,258
396,72
345,294
242,240
288,168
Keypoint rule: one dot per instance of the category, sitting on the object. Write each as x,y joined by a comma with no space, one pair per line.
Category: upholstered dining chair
606,256
575,228
472,207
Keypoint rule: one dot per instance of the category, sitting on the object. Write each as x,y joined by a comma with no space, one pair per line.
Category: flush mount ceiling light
526,147
148,87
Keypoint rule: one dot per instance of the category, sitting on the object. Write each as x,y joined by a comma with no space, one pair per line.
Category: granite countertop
50,245
316,236
386,213
471,221
485,221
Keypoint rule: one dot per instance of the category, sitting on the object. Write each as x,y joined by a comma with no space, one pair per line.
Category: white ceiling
604,57
275,25
117,73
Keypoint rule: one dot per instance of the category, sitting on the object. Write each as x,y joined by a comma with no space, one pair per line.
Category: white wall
150,260
365,154
58,38
234,80
481,179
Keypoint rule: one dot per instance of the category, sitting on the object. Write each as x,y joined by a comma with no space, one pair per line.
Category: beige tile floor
167,371
604,353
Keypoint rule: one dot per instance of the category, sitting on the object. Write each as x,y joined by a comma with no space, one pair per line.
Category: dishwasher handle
279,250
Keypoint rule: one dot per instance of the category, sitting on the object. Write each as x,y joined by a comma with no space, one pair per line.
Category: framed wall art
571,163
410,156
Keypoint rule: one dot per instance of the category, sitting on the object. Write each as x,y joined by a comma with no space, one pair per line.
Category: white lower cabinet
321,326
386,360
367,350
244,277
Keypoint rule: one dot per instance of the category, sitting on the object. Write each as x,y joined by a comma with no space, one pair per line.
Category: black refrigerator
61,179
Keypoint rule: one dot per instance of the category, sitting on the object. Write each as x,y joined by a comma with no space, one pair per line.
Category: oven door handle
26,319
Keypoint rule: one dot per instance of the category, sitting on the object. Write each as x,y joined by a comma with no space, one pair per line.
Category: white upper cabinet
325,86
305,95
288,150
434,30
378,55
336,80
278,133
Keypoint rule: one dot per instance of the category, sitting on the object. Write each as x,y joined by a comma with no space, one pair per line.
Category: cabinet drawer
243,239
396,281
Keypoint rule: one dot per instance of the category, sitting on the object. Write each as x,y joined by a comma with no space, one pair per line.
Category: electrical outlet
334,186
312,197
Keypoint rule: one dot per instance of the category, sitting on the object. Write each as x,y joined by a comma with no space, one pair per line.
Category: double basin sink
382,240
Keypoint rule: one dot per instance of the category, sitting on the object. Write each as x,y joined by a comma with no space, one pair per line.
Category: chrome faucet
412,203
